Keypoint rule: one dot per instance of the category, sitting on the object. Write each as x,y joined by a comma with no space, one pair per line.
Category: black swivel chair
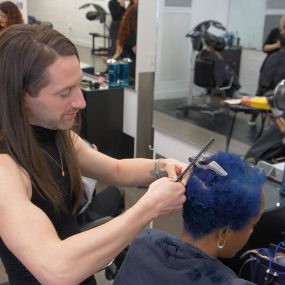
204,77
204,68
204,73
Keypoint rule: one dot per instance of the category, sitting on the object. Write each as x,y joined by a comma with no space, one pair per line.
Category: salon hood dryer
201,31
98,13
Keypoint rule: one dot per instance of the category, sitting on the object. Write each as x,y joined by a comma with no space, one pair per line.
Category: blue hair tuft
214,202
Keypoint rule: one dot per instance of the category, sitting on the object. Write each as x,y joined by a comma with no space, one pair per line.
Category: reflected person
273,70
271,45
127,38
117,10
272,42
9,15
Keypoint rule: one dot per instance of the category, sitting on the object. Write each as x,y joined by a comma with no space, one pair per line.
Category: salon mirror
250,21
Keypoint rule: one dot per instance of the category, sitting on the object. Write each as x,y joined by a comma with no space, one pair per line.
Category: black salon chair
204,73
204,77
104,206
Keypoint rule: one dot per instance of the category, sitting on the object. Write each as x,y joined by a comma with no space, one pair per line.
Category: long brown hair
25,53
12,12
128,24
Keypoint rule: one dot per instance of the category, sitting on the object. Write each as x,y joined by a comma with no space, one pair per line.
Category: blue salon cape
158,258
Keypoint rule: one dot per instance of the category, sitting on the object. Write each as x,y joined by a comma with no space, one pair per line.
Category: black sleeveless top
63,221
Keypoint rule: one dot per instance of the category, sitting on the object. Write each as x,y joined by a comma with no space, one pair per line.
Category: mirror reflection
253,31
176,84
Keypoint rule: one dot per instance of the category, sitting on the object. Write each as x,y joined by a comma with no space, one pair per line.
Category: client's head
215,43
223,209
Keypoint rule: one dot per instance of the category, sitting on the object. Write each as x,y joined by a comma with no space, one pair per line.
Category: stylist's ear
26,104
26,99
25,94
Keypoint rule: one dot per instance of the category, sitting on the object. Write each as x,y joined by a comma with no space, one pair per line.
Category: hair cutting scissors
195,159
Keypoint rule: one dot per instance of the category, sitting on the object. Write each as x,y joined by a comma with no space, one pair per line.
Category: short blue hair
215,202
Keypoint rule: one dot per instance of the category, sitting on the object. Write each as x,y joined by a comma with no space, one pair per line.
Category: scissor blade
197,157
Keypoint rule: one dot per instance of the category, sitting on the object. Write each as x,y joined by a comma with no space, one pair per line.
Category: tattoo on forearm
156,171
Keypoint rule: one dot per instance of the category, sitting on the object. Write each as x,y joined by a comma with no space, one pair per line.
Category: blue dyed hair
215,202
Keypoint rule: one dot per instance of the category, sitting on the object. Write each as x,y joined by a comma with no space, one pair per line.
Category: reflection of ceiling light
278,204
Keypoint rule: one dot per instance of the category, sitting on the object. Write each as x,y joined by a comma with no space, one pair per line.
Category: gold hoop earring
221,244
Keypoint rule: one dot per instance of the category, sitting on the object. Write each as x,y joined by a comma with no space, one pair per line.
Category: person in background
219,215
269,146
272,42
273,70
117,10
42,160
127,38
9,15
271,45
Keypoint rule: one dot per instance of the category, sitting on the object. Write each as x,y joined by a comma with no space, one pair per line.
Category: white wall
247,17
173,52
210,10
251,61
67,18
146,41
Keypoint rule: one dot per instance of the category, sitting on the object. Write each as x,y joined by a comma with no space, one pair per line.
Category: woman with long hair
9,15
127,38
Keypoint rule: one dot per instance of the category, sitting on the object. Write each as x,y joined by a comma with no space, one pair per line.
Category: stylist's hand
170,167
164,197
122,3
277,45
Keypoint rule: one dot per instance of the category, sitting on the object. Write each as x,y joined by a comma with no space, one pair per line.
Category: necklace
59,165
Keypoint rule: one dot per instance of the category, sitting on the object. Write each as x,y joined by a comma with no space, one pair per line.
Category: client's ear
224,233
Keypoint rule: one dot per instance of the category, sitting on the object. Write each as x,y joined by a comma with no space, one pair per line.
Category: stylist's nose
78,101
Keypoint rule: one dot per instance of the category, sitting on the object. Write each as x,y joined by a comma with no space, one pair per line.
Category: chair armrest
228,86
95,223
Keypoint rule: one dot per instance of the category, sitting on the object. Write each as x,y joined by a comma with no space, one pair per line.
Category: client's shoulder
239,281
